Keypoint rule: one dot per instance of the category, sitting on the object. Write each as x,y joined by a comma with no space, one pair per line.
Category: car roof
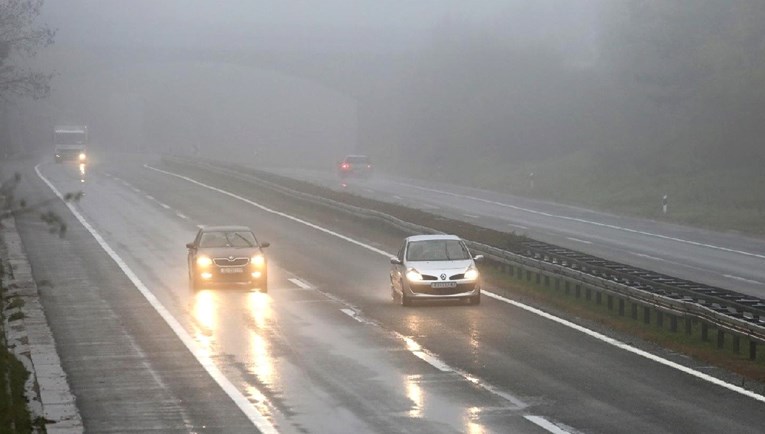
228,228
432,237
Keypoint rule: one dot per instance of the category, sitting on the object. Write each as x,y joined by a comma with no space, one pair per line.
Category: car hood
439,266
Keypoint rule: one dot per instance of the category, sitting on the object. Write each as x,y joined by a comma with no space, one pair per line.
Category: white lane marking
201,226
300,283
164,205
578,240
252,413
643,255
369,190
591,333
545,424
136,190
427,206
430,359
181,216
472,216
742,279
269,210
667,261
125,182
626,347
589,222
150,197
351,313
517,226
397,197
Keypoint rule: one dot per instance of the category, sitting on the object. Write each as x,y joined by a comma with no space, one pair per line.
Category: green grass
700,194
14,414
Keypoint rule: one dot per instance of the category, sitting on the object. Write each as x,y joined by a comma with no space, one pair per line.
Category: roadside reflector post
664,204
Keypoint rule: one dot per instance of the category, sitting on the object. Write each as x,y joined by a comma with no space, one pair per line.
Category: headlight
258,260
83,156
471,274
413,275
204,261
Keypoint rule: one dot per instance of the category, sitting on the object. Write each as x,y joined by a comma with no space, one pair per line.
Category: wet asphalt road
325,350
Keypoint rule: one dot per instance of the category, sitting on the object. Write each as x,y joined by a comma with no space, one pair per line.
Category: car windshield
357,160
227,239
437,250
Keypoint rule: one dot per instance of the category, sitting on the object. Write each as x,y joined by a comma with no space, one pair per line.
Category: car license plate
443,285
231,270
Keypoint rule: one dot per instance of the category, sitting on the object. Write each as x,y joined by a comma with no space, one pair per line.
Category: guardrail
726,311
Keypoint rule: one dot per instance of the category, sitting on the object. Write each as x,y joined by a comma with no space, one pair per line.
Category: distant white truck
70,143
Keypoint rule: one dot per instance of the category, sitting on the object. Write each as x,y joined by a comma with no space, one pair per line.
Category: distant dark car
355,166
227,255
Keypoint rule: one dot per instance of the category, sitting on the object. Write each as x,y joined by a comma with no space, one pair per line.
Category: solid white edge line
621,345
589,222
207,363
742,279
545,424
300,283
596,335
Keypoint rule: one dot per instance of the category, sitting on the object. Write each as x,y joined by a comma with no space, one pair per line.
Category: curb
31,341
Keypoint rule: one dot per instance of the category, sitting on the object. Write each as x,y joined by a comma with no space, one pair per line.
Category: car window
227,239
357,160
437,250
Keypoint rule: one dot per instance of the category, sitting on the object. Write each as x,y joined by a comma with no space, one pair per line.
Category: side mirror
265,244
190,246
478,258
395,261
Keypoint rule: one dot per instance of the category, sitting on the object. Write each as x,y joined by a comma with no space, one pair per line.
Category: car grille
461,288
452,277
227,262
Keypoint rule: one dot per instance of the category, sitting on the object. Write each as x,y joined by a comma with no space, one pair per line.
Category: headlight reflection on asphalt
471,426
262,362
415,394
205,318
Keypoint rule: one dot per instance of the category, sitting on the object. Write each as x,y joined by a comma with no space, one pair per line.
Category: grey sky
280,24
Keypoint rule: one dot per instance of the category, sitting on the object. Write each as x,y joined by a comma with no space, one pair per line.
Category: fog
475,89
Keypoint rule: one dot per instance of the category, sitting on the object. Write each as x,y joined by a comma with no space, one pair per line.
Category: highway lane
326,350
728,260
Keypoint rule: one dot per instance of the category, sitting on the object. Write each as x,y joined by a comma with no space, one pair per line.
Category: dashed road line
150,197
517,226
589,222
251,412
472,216
300,283
181,216
545,424
578,240
603,338
164,205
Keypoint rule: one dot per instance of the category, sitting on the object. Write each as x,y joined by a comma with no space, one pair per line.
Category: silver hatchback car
435,267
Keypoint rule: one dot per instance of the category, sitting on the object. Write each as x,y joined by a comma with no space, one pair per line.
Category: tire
405,300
